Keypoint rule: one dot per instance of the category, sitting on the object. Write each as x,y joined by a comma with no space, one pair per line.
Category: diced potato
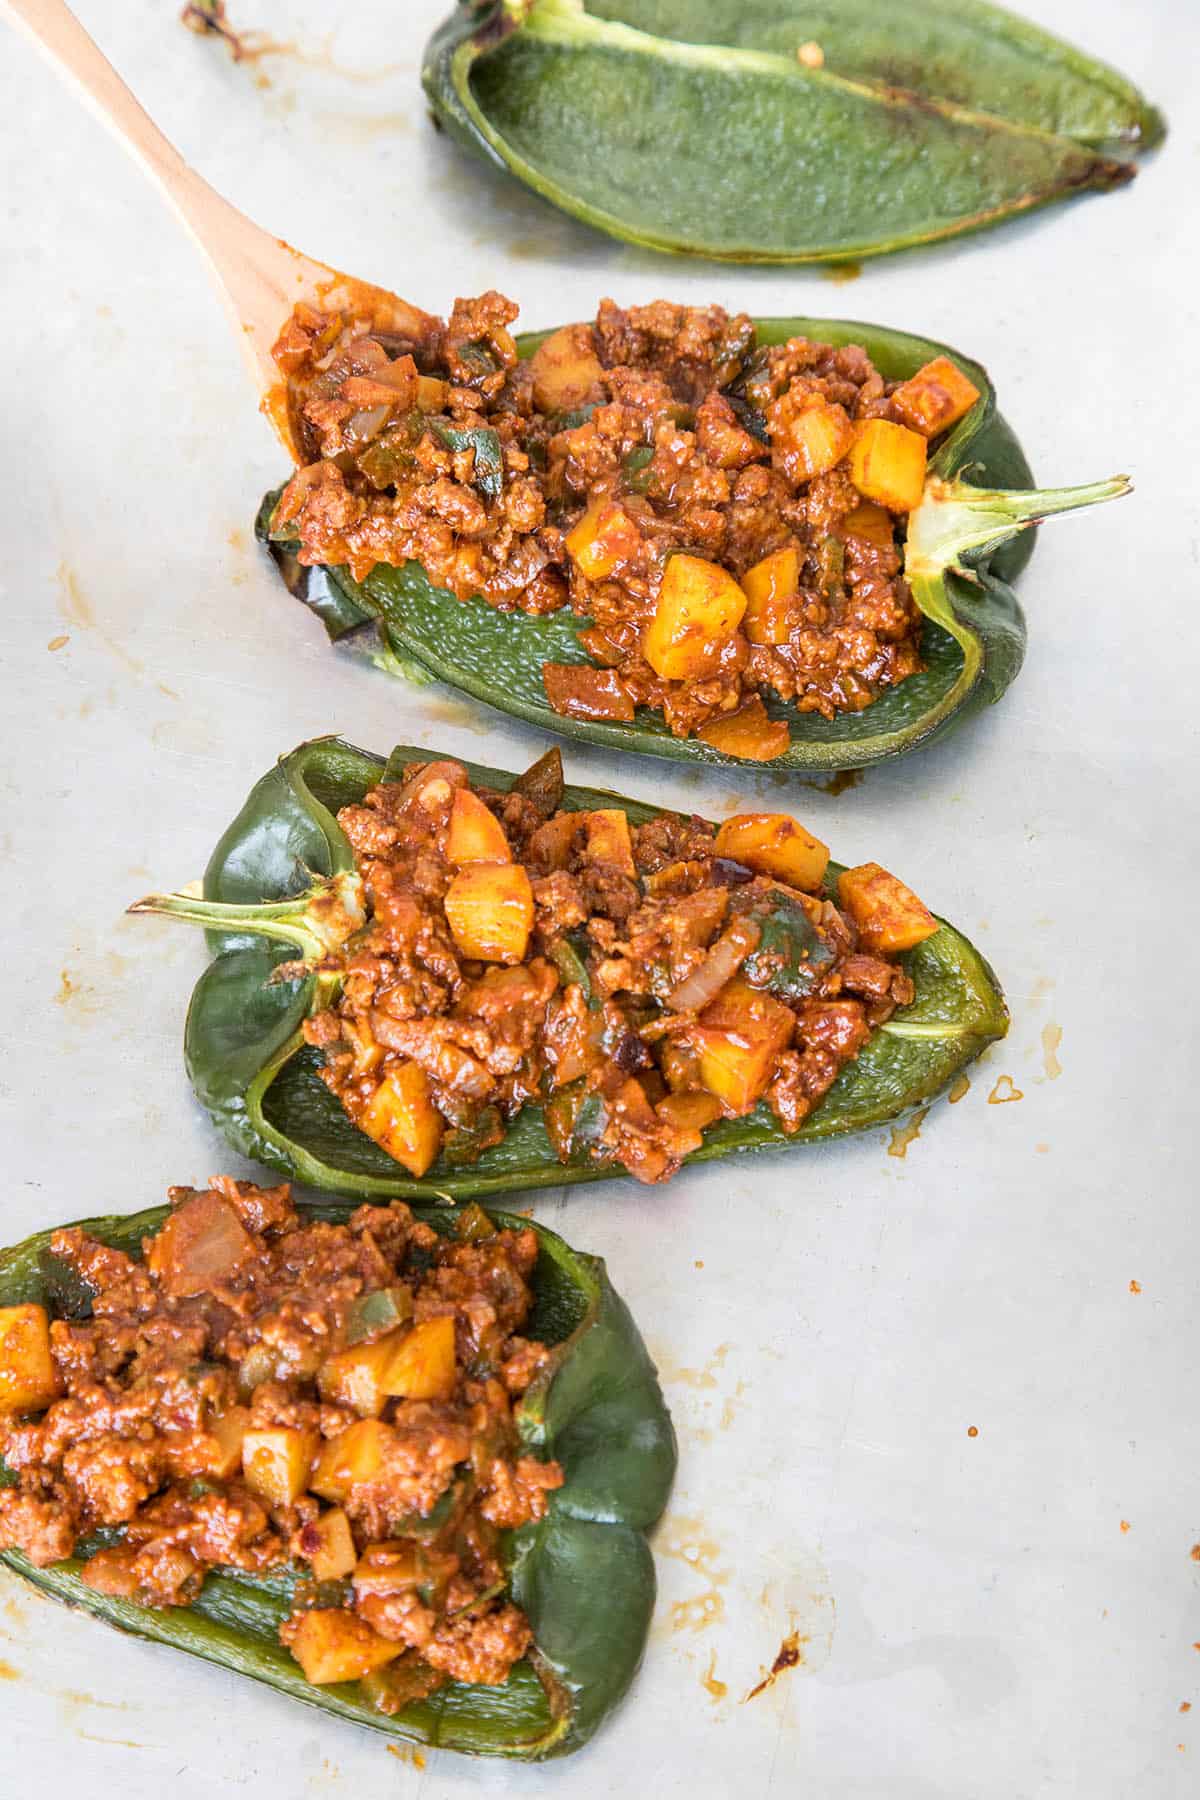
489,907
689,1112
748,733
422,1365
355,1377
354,1455
566,371
475,834
551,844
332,1645
888,915
401,1116
431,393
887,464
28,1378
737,1038
327,1545
604,538
607,839
277,1462
771,587
202,1245
700,607
873,523
215,1452
775,844
935,398
228,1432
386,1569
818,438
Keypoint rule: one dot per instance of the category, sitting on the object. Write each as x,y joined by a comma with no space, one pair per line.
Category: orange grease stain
904,1135
717,1690
698,1613
789,1654
838,784
1004,1092
960,1087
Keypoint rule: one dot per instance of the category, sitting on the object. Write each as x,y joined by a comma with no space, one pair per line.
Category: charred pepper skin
584,1575
973,643
259,1084
973,115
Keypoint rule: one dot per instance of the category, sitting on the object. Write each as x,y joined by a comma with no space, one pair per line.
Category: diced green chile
466,1143
488,475
584,1575
259,1082
635,468
572,970
694,126
371,1315
974,542
790,953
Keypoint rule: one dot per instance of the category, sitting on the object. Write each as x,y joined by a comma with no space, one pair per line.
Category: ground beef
206,1343
595,1015
480,466
481,1646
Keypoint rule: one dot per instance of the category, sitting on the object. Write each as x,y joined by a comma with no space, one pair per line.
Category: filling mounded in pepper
266,1390
639,982
729,517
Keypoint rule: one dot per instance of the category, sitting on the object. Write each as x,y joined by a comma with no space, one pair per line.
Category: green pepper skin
259,1086
584,1574
692,126
973,642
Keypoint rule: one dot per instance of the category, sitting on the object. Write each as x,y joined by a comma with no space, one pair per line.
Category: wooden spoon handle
261,278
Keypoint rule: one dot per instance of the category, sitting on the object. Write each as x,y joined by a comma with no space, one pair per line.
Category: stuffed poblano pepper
431,977
396,1465
783,130
672,531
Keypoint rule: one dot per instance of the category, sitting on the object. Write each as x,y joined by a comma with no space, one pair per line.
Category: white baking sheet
999,1616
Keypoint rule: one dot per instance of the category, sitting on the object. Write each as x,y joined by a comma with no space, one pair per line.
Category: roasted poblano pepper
258,1080
583,1575
966,543
782,130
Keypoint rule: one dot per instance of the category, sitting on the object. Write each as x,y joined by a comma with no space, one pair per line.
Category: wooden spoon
261,277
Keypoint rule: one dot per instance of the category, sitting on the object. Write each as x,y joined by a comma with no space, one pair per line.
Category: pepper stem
318,922
955,517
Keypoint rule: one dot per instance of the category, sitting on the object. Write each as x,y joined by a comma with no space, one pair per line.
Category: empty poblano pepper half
783,130
583,1575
